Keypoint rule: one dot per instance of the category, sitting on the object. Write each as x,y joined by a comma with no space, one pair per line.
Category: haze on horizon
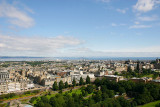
80,28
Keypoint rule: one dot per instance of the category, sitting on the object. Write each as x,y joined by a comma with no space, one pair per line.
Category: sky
80,28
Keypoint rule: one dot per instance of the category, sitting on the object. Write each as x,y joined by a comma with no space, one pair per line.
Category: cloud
63,46
104,1
15,16
148,18
140,52
138,49
114,24
136,23
122,10
14,45
139,26
145,5
2,45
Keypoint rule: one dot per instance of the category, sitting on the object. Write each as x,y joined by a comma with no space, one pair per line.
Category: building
114,78
4,75
144,80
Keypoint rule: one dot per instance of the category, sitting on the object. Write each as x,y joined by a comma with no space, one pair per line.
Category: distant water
72,58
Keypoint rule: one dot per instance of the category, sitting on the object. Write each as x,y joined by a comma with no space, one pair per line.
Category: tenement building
8,85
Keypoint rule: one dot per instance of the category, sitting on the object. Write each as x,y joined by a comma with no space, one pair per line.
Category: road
39,94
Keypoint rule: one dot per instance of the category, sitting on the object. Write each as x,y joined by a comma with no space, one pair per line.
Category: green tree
83,92
66,84
39,104
97,82
111,93
89,89
55,86
157,105
44,99
155,76
116,73
32,99
124,102
47,105
81,81
138,66
74,82
61,85
121,90
104,96
98,96
70,102
129,69
88,80
54,102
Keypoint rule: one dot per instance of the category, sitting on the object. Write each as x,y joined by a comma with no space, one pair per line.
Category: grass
77,91
150,75
53,94
25,101
89,95
152,104
49,96
3,105
19,96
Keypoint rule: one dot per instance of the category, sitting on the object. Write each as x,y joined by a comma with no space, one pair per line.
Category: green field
77,91
3,105
150,75
152,104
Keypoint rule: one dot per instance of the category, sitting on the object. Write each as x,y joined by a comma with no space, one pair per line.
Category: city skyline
80,28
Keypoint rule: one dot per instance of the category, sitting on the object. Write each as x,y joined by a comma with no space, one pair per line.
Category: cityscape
79,53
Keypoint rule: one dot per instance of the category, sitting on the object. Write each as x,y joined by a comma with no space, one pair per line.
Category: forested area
128,94
138,74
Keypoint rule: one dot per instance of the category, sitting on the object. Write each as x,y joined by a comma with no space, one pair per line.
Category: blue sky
80,28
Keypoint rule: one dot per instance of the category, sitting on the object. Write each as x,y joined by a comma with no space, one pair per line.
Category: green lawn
150,75
49,96
152,104
18,96
25,101
77,91
3,105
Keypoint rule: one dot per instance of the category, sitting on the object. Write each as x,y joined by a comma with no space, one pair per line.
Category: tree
83,92
74,82
89,89
32,99
53,102
116,73
157,105
44,99
55,86
137,66
47,105
104,96
66,84
81,81
155,76
129,69
110,93
39,104
88,80
123,102
98,96
97,82
70,102
121,90
61,85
